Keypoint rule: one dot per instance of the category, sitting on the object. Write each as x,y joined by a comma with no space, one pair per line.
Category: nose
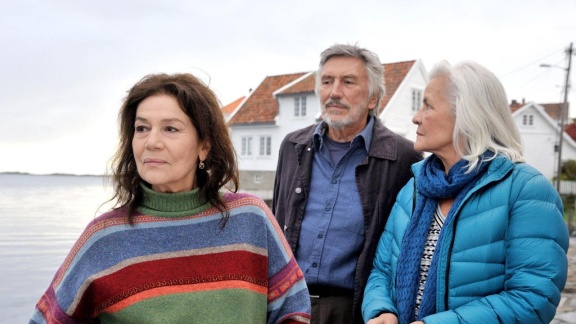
154,140
336,91
416,119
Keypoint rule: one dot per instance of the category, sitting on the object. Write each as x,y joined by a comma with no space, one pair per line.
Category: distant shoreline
52,174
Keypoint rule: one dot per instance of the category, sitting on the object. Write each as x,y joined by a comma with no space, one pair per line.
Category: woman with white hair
477,235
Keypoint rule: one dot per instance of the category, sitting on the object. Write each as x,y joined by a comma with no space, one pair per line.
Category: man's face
344,92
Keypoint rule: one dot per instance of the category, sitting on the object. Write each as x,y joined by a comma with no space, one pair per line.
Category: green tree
569,170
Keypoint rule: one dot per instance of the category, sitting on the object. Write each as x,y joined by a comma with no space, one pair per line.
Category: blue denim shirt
332,234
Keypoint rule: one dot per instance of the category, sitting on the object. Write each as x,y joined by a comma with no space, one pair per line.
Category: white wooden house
284,103
539,127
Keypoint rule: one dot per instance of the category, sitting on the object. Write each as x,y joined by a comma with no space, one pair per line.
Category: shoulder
526,170
520,174
245,200
244,204
301,135
389,145
116,216
531,184
519,185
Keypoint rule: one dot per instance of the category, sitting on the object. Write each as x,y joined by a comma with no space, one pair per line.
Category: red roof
554,109
571,130
262,107
394,74
305,85
229,108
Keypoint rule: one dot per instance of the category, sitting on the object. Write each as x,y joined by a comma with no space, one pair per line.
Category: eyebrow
345,76
165,120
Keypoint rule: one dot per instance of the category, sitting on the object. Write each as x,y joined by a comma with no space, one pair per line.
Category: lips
152,161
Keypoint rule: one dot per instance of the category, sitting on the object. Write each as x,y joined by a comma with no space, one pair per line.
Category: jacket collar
384,142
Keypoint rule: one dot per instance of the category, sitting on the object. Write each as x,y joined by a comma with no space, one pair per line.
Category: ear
372,103
204,149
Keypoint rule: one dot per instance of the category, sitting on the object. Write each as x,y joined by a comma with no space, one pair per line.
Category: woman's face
435,123
166,145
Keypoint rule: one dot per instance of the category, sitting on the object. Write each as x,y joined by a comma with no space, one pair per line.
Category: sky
66,66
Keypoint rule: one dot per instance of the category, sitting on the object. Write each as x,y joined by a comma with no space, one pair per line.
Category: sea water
41,216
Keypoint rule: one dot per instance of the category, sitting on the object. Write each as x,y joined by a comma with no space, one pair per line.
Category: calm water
40,219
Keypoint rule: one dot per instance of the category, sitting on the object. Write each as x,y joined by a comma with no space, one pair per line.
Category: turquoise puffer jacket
503,258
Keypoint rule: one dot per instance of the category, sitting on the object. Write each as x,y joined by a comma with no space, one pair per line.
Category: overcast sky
66,65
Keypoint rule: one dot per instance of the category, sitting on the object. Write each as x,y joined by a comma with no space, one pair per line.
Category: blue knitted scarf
433,184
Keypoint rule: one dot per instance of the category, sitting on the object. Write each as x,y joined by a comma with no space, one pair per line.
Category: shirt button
334,181
320,236
327,208
298,190
314,265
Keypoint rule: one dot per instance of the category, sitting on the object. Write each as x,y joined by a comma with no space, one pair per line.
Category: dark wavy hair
202,106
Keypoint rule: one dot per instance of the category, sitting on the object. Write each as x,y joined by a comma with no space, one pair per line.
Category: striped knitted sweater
178,265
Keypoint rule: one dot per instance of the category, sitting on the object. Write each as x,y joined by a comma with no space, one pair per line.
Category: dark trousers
332,309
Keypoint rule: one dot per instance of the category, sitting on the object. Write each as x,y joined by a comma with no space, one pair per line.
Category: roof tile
394,74
261,106
229,108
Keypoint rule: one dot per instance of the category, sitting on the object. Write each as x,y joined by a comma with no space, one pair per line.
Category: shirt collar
365,134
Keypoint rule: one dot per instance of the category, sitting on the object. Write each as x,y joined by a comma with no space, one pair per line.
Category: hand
386,318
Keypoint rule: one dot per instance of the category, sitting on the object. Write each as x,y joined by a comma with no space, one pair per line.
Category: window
299,106
527,120
246,146
265,145
416,99
257,178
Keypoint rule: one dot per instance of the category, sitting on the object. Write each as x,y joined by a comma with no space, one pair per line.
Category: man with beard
336,182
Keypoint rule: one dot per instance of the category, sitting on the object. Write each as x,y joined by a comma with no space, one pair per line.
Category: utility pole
563,112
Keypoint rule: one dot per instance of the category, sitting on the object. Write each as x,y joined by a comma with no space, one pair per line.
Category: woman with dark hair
176,249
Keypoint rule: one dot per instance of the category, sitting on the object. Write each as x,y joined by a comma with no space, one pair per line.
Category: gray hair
483,120
374,69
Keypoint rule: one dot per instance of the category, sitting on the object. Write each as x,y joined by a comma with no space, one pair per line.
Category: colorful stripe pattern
180,269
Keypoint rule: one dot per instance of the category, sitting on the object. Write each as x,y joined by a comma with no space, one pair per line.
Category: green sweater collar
177,204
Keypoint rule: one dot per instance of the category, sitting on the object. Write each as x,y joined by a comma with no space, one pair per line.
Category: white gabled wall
285,123
540,140
286,120
398,113
255,161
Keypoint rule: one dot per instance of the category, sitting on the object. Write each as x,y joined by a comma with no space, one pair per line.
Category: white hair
483,119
